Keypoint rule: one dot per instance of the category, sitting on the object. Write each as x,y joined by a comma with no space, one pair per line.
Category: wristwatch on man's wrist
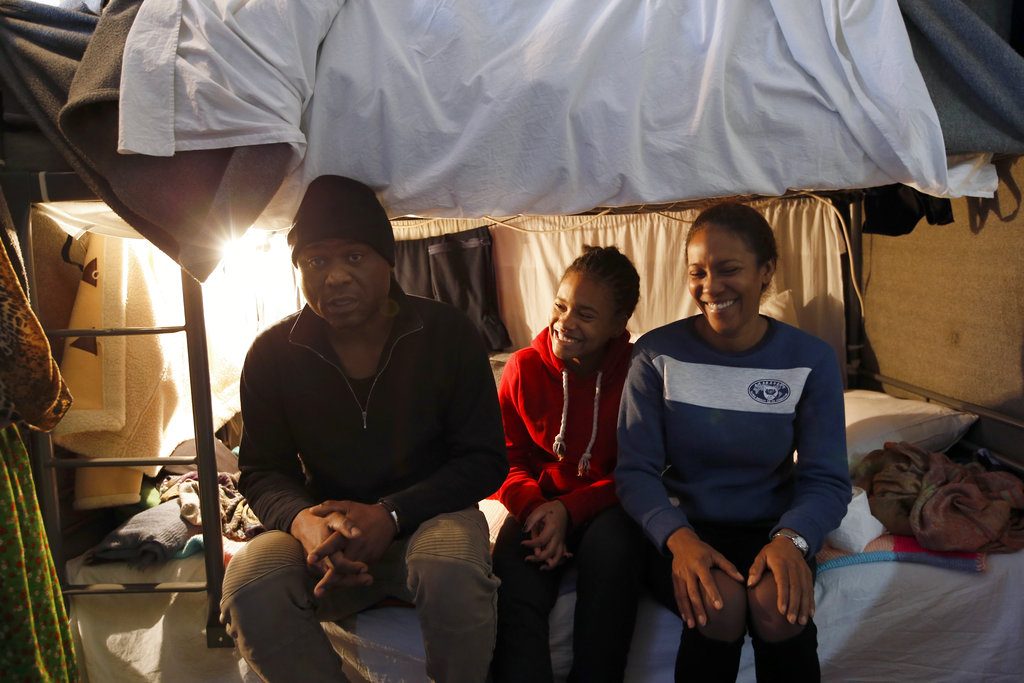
796,538
393,512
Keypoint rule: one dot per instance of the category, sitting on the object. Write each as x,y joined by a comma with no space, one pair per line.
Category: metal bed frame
989,420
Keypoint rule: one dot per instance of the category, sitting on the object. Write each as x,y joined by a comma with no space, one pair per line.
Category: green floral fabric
34,632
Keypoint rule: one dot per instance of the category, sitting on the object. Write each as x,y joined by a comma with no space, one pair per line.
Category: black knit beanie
335,207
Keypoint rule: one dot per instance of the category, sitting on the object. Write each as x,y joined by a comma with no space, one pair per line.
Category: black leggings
608,553
703,659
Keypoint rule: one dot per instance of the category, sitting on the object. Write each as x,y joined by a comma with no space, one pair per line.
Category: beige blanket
132,394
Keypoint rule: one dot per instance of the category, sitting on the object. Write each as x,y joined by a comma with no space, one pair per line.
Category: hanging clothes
35,638
458,269
897,209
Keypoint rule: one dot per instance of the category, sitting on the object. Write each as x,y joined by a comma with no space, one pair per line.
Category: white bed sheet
878,622
148,637
468,109
881,622
897,621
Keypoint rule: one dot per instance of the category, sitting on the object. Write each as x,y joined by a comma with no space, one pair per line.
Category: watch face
797,539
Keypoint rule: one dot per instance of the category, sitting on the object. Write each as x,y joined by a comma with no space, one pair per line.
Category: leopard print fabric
31,388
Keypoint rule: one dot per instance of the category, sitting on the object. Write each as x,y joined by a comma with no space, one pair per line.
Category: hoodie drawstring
559,446
584,465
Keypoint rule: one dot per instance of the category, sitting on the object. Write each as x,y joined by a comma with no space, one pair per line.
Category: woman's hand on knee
695,588
794,582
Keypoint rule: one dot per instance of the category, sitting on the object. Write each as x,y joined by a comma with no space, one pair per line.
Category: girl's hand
695,588
548,526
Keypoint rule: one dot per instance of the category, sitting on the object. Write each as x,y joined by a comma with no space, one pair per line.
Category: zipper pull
364,419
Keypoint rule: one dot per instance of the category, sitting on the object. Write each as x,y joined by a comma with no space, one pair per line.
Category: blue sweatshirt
717,432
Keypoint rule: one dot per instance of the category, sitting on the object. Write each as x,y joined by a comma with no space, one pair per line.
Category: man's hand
694,586
324,541
374,527
547,525
793,580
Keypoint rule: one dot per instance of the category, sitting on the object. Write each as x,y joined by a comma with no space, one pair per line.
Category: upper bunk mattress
471,109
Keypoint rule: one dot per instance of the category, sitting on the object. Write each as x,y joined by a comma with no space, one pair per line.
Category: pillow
872,418
780,306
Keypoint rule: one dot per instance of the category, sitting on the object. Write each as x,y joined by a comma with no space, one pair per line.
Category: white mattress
877,622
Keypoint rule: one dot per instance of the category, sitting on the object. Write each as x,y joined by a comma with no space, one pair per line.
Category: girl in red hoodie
559,406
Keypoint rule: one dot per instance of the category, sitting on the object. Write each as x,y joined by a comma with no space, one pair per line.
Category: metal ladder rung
115,588
74,463
114,331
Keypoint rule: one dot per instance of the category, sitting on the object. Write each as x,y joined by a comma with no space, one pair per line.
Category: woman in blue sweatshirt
713,409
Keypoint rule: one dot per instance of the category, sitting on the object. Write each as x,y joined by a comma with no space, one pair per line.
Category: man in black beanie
371,430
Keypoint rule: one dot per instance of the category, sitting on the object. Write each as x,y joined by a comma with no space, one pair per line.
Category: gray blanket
64,67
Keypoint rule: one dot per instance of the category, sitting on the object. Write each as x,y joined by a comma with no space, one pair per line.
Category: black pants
703,659
608,554
458,269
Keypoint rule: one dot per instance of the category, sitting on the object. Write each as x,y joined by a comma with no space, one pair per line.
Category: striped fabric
898,548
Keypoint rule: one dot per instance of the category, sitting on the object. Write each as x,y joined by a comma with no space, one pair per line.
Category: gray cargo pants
444,569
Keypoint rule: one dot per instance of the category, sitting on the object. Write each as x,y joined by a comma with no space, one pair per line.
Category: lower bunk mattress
882,621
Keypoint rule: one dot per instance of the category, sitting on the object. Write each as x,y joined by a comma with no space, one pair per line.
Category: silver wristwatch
797,539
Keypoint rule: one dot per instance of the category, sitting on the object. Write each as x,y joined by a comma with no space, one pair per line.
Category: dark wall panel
945,304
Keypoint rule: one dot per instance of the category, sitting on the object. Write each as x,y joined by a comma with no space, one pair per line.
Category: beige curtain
531,253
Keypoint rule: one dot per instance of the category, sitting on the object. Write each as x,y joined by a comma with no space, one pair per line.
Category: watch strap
393,512
799,541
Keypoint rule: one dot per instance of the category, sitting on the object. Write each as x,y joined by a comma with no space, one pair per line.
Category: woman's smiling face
726,281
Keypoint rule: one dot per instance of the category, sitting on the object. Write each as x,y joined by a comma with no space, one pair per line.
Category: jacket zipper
384,367
363,409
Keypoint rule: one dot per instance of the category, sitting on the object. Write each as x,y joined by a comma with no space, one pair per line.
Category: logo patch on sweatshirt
769,391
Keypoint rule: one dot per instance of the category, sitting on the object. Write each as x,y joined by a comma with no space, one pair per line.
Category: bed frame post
852,214
202,415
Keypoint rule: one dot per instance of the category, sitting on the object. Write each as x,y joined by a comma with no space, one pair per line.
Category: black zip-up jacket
428,440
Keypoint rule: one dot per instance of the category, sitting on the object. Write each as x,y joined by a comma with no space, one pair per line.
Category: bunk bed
878,104
870,613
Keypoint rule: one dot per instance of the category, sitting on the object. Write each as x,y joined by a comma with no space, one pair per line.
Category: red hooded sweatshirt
532,405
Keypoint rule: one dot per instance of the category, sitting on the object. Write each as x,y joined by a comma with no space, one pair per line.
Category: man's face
345,282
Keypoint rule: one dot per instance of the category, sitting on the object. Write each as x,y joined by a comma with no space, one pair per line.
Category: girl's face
726,282
583,320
